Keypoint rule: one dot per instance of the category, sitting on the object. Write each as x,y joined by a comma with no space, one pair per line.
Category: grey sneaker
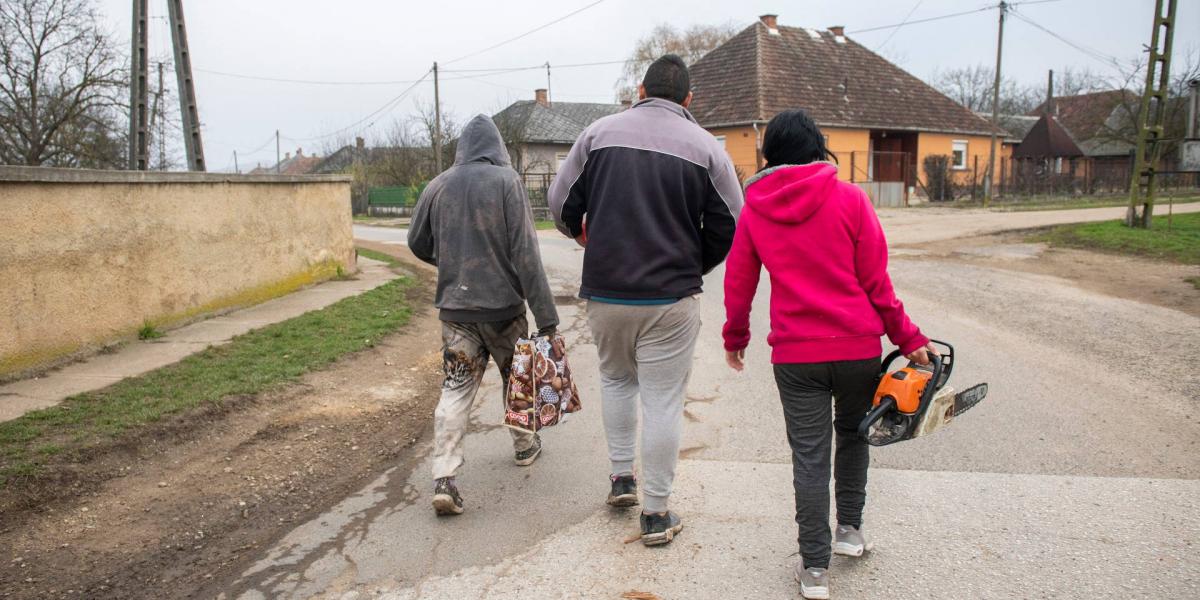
526,457
660,528
446,499
814,582
850,541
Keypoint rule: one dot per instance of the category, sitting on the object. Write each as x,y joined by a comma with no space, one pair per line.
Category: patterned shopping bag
541,391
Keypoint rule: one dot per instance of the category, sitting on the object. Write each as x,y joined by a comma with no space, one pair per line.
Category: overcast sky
381,40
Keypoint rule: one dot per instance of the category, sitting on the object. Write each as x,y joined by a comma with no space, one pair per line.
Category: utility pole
437,121
549,98
236,168
139,72
1151,117
276,151
991,170
187,92
157,118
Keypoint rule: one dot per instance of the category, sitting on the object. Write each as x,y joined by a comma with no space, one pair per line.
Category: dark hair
668,78
794,139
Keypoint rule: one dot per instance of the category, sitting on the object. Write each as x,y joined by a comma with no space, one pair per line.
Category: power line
948,16
527,33
902,24
478,72
390,104
1091,52
305,81
926,20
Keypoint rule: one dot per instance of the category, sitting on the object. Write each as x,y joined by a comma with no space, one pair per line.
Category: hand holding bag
541,390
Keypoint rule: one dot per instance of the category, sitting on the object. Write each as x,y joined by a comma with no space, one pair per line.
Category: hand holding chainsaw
920,355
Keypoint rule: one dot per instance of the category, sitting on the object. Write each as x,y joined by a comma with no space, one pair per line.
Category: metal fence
886,177
1023,178
536,186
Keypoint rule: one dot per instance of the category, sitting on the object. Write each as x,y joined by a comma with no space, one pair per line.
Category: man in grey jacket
474,223
653,198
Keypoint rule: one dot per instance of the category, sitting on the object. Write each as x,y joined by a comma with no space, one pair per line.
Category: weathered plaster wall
87,257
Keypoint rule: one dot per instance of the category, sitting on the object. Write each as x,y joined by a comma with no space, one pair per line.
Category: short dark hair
668,78
793,138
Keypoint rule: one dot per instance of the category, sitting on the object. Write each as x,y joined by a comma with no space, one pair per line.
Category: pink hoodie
831,297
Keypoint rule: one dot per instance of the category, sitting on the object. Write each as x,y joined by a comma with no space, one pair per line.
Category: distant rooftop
541,121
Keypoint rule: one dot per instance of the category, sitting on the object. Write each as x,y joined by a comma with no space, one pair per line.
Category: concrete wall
87,257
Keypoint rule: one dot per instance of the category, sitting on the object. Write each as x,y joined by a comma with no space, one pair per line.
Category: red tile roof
1085,115
839,82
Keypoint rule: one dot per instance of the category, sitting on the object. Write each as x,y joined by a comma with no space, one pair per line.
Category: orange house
879,121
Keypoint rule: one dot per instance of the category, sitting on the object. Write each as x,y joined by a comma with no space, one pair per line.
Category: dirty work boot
624,491
660,528
525,457
814,582
446,500
850,541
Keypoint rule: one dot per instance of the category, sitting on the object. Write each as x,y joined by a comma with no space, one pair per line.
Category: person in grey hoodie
473,222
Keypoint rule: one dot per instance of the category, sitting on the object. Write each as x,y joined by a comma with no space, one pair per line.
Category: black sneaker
446,500
624,491
526,457
660,528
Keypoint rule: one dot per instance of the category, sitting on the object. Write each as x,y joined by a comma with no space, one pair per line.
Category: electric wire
1091,52
527,33
390,104
902,24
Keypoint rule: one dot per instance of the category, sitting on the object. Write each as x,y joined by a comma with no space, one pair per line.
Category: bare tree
451,128
1122,127
972,87
60,81
690,44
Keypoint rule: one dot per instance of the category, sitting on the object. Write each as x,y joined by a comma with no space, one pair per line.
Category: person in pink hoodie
831,300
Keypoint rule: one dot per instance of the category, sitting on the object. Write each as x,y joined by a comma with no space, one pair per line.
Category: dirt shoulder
187,503
1133,278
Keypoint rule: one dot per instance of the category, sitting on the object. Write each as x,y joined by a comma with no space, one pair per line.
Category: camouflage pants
466,348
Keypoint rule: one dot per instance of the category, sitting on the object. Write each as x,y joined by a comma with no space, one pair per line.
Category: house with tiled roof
880,121
539,133
297,164
1097,126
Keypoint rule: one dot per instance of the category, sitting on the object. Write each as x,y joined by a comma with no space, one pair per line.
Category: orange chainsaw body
905,387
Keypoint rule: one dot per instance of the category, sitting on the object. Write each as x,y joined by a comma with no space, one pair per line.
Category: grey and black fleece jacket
660,199
474,223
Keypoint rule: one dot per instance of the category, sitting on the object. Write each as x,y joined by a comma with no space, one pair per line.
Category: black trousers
807,391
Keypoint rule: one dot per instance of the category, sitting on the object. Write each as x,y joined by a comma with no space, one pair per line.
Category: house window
1058,165
720,140
959,154
559,159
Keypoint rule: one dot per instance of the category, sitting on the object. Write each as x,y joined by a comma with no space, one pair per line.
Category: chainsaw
915,401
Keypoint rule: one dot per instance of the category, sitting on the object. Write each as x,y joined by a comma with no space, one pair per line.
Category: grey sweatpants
810,392
645,351
465,351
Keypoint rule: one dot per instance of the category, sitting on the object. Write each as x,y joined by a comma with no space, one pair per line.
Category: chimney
360,143
541,97
1050,108
770,21
299,152
838,30
287,156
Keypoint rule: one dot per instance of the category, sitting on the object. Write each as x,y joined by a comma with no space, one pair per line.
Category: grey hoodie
474,223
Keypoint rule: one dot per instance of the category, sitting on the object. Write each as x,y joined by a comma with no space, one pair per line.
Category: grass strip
249,364
541,225
1056,203
379,256
1180,243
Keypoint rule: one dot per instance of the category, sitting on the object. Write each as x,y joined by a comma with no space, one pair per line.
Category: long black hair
794,139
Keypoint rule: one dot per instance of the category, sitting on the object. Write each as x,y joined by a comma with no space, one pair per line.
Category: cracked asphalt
1076,477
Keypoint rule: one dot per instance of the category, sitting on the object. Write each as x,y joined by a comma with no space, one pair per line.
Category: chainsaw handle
886,404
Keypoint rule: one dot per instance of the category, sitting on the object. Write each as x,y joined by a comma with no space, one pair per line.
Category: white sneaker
814,582
850,541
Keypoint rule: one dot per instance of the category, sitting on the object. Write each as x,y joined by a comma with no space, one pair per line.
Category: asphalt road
1076,477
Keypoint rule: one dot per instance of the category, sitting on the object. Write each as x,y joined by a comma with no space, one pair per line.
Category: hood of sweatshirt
791,193
481,142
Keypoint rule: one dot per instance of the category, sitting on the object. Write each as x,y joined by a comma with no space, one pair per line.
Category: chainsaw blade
968,398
